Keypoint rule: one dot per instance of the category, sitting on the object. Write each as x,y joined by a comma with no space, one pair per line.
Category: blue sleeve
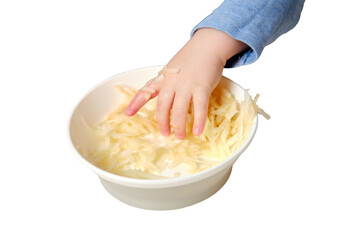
254,22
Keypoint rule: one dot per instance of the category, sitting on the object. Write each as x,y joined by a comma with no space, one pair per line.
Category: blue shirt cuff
243,58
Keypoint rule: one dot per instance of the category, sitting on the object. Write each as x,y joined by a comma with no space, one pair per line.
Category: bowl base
167,199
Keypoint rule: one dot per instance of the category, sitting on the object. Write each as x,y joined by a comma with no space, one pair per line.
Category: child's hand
200,63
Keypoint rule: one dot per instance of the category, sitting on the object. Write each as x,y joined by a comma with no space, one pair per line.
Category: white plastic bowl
161,194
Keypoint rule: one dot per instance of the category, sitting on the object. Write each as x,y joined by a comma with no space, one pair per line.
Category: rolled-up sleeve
255,22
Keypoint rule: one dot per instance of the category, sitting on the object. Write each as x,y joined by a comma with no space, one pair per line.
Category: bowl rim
157,183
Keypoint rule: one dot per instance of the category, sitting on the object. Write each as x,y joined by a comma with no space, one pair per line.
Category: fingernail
128,112
165,133
180,136
197,131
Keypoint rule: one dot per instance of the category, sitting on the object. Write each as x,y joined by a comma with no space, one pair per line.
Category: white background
299,179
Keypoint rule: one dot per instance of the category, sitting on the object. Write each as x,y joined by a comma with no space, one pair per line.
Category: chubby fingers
164,105
149,91
179,103
173,101
179,113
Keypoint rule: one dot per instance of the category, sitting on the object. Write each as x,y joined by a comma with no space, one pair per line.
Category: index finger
149,91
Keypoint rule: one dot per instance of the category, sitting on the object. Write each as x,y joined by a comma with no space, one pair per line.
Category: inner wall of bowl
100,101
104,98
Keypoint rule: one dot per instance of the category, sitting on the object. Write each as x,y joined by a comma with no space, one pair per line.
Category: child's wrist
218,43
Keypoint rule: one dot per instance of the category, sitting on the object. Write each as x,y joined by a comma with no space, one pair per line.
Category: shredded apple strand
147,91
